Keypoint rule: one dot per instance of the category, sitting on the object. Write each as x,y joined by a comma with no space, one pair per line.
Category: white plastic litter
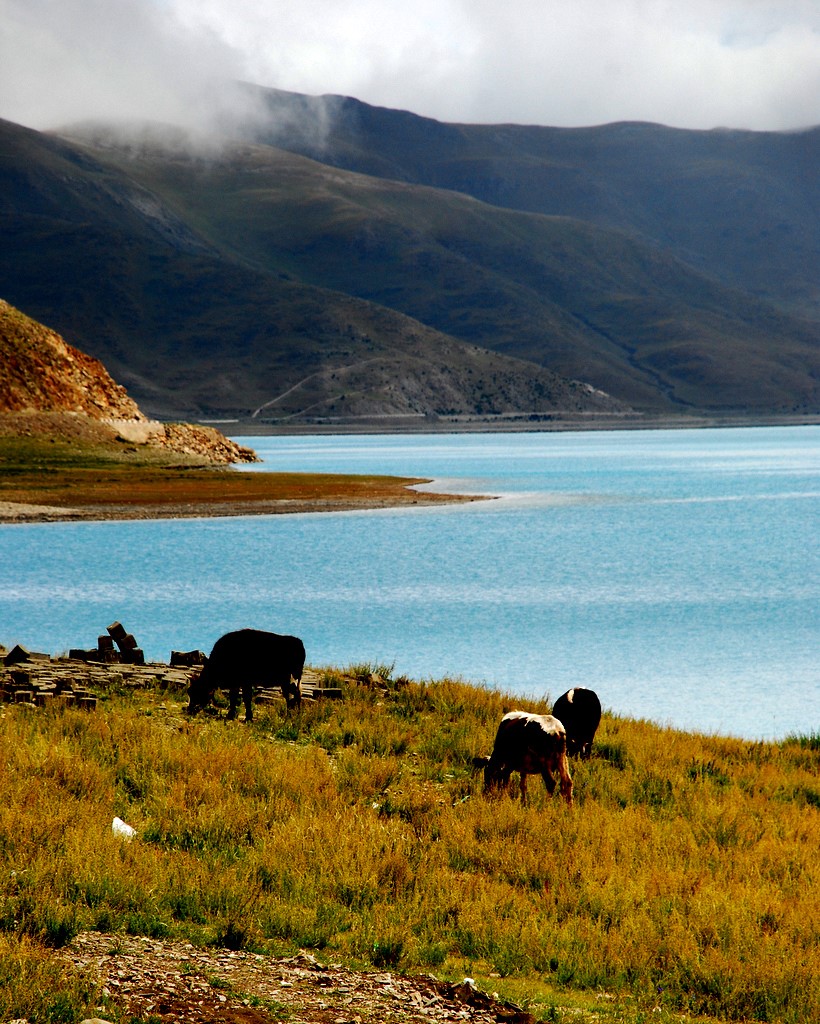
119,828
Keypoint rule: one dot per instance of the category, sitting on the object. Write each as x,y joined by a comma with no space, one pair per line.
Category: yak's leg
247,695
549,781
566,779
233,696
295,688
522,785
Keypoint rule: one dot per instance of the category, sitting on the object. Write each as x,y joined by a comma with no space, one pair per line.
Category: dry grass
683,882
119,480
144,486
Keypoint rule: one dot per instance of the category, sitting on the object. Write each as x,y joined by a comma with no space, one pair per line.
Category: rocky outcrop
195,439
184,439
48,386
43,373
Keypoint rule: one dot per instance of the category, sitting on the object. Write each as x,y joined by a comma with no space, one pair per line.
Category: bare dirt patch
177,981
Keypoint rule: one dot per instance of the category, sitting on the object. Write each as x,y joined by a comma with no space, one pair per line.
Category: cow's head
492,775
200,693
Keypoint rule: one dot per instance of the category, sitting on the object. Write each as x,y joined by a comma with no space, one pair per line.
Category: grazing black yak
579,711
247,658
530,745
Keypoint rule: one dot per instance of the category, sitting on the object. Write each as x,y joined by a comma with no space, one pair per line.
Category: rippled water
675,572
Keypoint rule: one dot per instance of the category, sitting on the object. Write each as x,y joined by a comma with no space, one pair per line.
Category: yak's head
492,779
200,692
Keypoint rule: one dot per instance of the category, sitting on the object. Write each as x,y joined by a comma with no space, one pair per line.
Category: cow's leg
549,781
247,695
498,778
522,785
566,779
233,696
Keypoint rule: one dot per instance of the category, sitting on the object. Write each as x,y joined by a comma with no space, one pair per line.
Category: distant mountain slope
741,206
194,327
249,281
590,303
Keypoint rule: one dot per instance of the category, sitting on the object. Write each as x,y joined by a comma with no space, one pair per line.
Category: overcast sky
690,63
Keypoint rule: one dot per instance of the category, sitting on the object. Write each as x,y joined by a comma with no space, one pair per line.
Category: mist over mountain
334,261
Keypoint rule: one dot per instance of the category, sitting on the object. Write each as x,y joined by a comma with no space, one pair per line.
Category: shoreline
120,492
14,513
506,424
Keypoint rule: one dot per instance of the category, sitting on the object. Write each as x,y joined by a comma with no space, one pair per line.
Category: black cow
247,658
580,712
530,745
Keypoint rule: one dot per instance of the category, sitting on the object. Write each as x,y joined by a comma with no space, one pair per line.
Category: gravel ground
176,981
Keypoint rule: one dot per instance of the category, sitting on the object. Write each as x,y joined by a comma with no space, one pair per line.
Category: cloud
65,60
738,63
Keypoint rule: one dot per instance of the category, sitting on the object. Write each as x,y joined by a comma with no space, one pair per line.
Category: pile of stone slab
27,678
315,687
126,652
30,678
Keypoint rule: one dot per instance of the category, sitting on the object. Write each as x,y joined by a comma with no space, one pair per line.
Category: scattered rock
207,442
186,984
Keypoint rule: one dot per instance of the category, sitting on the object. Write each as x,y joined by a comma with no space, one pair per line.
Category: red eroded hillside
41,372
63,392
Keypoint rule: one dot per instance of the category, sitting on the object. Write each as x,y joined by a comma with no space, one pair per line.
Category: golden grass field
682,886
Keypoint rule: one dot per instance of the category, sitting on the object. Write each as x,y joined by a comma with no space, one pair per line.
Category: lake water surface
677,573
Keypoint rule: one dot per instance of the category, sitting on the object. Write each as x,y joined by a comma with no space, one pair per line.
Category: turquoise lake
677,572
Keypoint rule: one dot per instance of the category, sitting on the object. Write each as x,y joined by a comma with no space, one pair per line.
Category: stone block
187,659
19,654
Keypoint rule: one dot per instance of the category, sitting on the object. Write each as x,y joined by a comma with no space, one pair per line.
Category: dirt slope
41,372
51,388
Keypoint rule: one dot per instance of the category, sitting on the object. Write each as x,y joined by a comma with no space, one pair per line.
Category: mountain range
333,263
